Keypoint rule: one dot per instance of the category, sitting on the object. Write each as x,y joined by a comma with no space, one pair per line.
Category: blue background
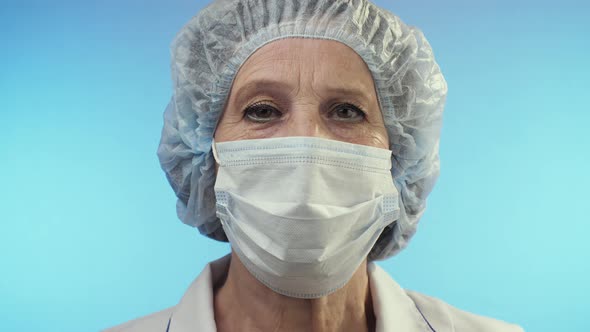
89,236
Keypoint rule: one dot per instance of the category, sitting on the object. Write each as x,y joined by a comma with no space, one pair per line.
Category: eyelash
258,106
353,106
265,105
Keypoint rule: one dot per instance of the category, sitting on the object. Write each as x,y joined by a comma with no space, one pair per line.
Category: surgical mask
302,213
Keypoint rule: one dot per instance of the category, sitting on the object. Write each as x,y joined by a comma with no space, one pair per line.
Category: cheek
377,133
374,135
380,140
366,134
230,128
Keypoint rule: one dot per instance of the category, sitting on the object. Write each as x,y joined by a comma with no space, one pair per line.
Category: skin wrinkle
308,77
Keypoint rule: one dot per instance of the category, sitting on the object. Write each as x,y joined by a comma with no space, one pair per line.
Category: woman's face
304,87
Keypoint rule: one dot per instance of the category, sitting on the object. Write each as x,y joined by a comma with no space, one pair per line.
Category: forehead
327,61
306,48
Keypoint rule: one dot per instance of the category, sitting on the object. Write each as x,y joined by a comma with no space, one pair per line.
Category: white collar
394,310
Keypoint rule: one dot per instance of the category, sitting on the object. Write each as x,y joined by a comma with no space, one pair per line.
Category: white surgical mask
302,213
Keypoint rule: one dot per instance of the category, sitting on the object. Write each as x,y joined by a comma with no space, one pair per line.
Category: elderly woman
305,133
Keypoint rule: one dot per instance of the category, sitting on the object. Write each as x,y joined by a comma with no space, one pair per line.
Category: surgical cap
209,50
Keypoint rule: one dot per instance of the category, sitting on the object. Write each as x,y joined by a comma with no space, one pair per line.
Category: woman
306,134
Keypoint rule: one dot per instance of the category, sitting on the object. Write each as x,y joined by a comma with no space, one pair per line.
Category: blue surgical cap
209,50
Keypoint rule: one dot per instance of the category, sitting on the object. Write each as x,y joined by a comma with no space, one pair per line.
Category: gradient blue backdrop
89,236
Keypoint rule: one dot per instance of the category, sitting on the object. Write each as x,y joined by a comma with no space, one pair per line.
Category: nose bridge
305,120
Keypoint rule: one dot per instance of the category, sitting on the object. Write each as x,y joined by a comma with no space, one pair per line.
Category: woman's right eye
261,113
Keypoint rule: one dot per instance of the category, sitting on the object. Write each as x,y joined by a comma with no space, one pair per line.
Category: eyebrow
256,86
253,87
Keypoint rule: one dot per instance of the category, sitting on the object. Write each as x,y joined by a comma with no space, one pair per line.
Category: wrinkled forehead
294,48
322,63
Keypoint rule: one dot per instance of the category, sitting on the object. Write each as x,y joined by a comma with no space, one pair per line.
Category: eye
261,112
347,113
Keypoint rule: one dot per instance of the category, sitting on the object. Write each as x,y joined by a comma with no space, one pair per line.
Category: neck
242,303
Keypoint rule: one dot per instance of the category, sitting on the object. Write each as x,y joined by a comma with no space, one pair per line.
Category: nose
306,121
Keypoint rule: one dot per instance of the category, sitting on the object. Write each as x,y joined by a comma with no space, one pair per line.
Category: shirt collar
195,311
394,310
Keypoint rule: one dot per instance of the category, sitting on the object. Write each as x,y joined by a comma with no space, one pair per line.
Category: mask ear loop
214,150
223,109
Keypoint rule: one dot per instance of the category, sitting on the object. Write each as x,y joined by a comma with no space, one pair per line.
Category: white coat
395,309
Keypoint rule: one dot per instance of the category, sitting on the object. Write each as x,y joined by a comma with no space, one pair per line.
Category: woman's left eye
347,113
